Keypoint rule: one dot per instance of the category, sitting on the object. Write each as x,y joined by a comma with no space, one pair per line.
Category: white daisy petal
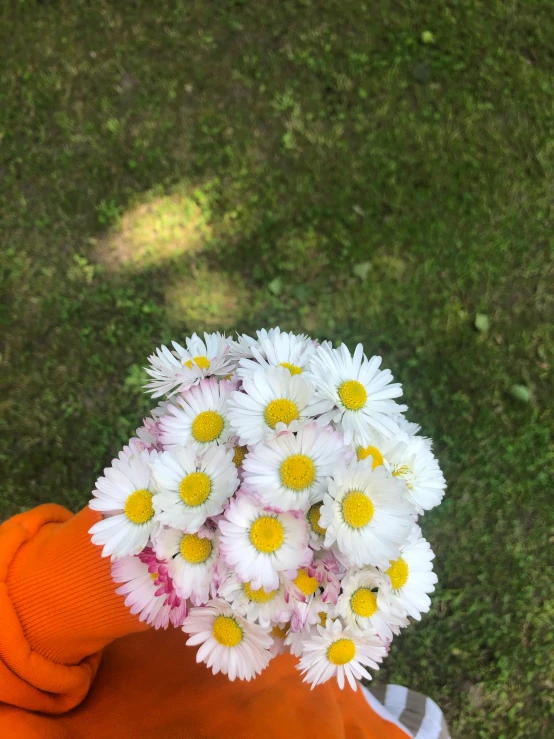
165,370
410,578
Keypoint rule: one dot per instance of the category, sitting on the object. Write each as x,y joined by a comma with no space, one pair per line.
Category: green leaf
275,286
521,393
482,322
428,37
361,270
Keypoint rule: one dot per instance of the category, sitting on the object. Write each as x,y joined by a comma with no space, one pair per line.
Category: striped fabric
417,715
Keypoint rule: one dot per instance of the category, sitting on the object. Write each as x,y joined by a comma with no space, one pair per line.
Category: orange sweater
75,663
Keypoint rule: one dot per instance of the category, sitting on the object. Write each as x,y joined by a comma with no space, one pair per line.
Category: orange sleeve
58,609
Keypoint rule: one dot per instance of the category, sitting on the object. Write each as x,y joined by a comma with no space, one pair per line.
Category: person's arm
58,609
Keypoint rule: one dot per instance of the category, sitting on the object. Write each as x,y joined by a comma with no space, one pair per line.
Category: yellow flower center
258,596
280,411
267,534
292,368
195,488
398,573
357,509
364,602
280,631
297,472
341,652
154,575
201,362
195,550
138,506
363,452
353,395
239,453
313,518
207,426
405,473
322,618
308,585
227,631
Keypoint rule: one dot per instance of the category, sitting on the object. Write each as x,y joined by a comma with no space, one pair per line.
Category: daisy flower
409,578
140,588
270,402
205,358
357,605
244,344
361,393
200,418
124,495
366,514
255,604
290,471
230,644
176,370
415,463
281,349
336,651
409,458
259,543
192,487
191,560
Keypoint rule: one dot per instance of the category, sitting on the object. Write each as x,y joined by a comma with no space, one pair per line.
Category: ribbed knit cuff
63,593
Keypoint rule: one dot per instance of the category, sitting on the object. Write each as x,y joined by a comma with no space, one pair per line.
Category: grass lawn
367,171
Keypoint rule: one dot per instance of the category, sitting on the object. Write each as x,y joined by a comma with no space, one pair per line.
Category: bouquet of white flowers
269,504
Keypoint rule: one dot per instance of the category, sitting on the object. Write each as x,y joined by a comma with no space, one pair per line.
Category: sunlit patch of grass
206,299
158,228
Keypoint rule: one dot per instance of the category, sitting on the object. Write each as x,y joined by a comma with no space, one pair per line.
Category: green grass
326,166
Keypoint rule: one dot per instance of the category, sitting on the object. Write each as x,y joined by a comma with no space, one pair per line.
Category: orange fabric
58,610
